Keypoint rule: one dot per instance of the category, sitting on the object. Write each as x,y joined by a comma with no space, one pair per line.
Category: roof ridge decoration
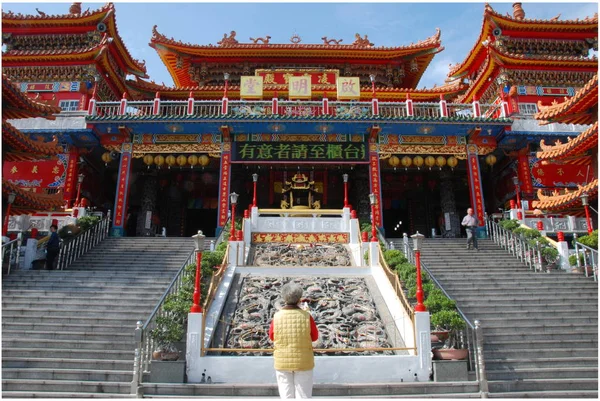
566,199
43,16
555,108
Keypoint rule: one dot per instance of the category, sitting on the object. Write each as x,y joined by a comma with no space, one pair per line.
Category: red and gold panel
224,187
475,188
122,188
525,174
300,238
375,178
70,181
562,173
282,76
34,173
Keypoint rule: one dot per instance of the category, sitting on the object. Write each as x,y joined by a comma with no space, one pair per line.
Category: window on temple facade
69,105
528,109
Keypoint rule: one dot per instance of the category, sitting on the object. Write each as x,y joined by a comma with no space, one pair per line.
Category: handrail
71,250
395,282
469,339
589,255
145,343
516,245
10,247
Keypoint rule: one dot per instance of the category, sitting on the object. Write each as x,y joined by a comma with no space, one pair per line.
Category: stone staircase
70,333
540,329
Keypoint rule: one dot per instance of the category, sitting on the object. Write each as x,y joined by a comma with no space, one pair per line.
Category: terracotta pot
169,356
450,354
440,335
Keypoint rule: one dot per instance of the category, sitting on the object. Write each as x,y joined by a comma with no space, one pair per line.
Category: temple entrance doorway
413,200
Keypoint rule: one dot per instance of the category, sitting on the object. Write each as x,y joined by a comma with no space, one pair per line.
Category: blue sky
386,24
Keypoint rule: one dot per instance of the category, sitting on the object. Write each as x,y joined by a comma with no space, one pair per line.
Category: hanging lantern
452,162
432,184
490,160
148,160
159,160
181,160
204,160
106,158
440,161
430,161
192,160
406,162
418,161
170,160
394,161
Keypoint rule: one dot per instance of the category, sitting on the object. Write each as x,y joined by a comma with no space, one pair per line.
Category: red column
121,198
420,307
196,308
524,174
588,220
475,188
71,178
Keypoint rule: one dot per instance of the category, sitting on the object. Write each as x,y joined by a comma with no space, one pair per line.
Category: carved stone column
448,203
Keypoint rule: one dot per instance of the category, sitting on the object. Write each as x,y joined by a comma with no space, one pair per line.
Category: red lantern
419,179
179,177
432,184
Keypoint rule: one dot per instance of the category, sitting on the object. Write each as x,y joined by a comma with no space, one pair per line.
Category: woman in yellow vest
293,330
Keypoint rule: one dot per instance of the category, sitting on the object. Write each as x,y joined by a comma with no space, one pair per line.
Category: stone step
60,394
414,389
534,336
68,319
91,281
78,386
66,363
562,372
68,335
497,386
540,329
495,364
529,310
125,345
120,306
564,395
89,312
124,287
541,343
520,300
100,298
71,353
539,353
50,327
67,374
497,290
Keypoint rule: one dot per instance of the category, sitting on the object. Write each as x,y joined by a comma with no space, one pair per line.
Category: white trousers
296,384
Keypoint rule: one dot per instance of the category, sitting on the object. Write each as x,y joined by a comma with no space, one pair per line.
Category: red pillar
224,181
196,308
71,178
475,185
121,198
420,307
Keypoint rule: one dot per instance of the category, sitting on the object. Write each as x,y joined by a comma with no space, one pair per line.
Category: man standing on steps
52,248
470,223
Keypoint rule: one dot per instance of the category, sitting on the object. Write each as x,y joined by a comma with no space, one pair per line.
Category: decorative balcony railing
339,109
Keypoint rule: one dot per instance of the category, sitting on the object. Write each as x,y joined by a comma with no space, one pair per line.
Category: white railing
524,123
427,110
72,250
106,109
588,261
173,108
11,251
299,109
207,108
142,108
491,110
516,245
555,224
350,109
460,110
393,109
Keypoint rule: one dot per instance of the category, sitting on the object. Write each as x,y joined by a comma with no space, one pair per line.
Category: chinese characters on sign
282,76
121,209
475,186
348,88
224,188
251,87
299,87
524,173
375,186
270,151
34,173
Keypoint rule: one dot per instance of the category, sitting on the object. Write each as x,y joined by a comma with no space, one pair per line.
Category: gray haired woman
293,330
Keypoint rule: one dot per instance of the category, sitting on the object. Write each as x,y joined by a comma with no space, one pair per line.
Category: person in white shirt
470,223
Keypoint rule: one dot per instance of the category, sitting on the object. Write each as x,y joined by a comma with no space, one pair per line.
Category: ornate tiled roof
566,200
63,23
497,58
158,38
17,140
574,110
493,19
584,141
16,104
33,199
216,91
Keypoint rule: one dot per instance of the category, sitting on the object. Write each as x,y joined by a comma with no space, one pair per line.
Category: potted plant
452,322
168,331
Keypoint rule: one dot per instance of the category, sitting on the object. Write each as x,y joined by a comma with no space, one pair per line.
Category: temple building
296,113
